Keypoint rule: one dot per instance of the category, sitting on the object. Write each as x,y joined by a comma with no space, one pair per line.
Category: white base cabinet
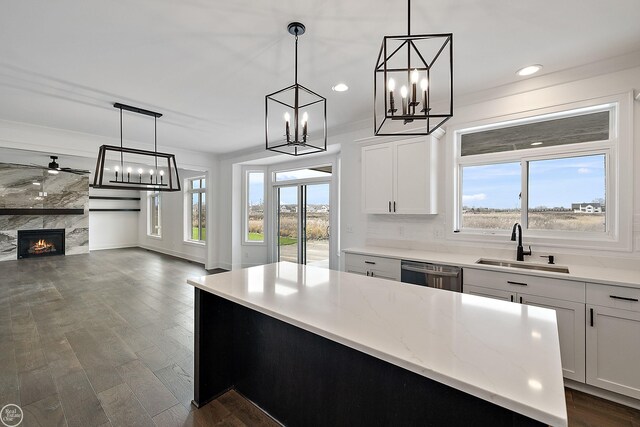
541,292
372,266
613,338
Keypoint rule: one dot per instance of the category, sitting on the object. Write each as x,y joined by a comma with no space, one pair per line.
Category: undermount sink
523,265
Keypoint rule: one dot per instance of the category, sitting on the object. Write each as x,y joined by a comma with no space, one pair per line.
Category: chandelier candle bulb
140,175
414,85
151,176
287,119
161,176
129,174
305,119
404,93
116,169
392,102
424,85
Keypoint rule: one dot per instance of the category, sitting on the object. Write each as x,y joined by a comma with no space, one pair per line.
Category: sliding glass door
288,223
303,223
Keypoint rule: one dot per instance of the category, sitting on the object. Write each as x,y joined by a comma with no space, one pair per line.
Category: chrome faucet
520,250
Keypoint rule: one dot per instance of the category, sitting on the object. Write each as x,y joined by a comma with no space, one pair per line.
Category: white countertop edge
545,417
469,261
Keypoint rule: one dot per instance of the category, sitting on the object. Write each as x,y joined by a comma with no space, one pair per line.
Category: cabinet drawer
533,285
613,296
380,267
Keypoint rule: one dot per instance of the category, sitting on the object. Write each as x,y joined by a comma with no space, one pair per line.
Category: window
196,210
254,229
551,174
154,227
316,172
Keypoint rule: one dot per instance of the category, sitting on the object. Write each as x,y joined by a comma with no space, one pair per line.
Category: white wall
172,224
430,231
110,230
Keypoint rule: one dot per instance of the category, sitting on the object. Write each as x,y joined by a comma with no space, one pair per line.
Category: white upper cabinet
377,178
400,177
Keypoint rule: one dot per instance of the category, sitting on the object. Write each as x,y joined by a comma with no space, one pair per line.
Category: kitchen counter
500,352
581,273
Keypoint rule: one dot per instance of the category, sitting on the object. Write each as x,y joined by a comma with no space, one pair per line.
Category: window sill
253,243
154,236
195,243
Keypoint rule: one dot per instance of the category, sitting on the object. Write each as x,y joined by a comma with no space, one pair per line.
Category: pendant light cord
409,17
121,155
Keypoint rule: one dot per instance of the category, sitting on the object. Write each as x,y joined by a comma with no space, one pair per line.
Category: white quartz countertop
505,353
582,273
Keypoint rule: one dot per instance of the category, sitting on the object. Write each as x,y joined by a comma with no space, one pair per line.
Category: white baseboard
115,246
605,394
176,254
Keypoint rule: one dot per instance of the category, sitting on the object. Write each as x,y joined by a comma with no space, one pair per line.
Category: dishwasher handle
430,271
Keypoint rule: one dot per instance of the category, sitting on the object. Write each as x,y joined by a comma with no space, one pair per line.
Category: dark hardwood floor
106,339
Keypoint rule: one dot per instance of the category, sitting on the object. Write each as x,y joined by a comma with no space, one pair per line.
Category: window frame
618,159
245,207
150,206
188,225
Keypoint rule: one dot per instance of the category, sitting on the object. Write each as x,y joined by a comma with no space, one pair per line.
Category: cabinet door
613,350
570,318
489,293
377,179
413,169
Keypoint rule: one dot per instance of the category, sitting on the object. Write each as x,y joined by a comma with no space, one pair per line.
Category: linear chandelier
124,168
306,107
402,65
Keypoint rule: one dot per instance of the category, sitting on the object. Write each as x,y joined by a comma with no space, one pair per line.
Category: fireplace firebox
39,243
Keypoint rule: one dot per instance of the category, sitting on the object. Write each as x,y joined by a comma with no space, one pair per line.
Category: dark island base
303,379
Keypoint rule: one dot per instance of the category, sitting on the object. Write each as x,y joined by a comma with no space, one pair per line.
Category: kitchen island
313,346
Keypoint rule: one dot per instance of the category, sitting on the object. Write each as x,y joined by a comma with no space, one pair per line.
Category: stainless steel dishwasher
431,275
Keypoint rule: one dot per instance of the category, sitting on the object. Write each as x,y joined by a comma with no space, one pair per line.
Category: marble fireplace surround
63,191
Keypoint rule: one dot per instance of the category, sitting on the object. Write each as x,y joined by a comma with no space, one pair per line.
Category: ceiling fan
54,168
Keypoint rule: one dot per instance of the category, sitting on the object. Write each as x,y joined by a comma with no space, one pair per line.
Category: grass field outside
194,234
545,220
259,237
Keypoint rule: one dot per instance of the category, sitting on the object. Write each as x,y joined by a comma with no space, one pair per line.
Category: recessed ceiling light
340,87
536,143
53,171
36,183
528,70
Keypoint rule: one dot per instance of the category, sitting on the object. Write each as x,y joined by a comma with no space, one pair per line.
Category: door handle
521,300
389,206
591,316
511,298
394,206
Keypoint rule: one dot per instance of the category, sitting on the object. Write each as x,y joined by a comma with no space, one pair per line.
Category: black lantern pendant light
307,133
421,68
124,168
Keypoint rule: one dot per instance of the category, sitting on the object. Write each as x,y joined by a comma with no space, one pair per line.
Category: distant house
593,207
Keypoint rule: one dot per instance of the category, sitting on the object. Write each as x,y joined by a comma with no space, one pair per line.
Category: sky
552,183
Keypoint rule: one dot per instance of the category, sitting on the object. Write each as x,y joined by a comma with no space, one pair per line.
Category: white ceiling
207,65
